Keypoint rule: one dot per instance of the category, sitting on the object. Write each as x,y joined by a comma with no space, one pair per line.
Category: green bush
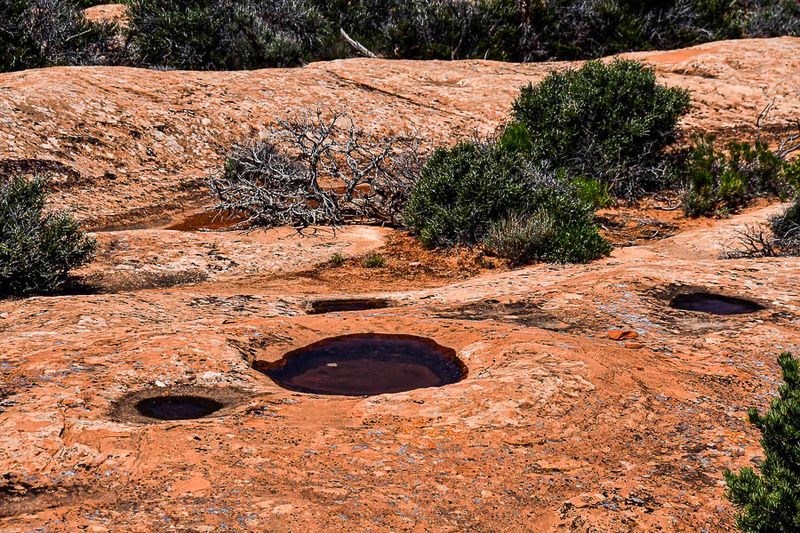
722,181
374,260
786,230
570,29
430,29
18,49
770,501
521,238
482,193
788,222
37,34
462,190
592,192
530,30
37,249
772,18
337,260
223,34
228,34
609,123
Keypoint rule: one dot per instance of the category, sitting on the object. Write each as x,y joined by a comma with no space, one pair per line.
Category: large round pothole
182,402
716,304
365,365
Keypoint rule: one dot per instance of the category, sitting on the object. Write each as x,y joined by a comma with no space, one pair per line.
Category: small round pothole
182,407
366,364
716,304
184,402
339,305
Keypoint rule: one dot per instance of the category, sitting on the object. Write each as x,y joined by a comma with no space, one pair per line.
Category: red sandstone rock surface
557,427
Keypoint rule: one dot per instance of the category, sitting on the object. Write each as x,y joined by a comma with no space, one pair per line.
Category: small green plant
337,260
770,501
374,260
722,181
593,192
608,123
521,238
37,248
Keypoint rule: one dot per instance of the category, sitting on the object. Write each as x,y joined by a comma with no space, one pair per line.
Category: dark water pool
366,364
714,303
177,407
338,305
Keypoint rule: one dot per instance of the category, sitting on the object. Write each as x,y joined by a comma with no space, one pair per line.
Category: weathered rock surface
557,427
134,143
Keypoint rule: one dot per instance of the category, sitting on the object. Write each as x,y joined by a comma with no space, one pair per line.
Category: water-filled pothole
716,304
365,365
338,305
180,402
177,407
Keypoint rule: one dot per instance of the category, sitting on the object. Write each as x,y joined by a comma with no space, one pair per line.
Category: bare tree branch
318,170
357,46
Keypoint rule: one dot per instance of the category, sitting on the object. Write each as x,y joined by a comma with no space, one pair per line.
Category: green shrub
786,230
482,193
546,234
788,222
430,29
773,18
609,123
461,190
18,49
722,181
592,192
37,249
223,34
770,501
337,260
374,260
529,30
521,238
571,29
41,33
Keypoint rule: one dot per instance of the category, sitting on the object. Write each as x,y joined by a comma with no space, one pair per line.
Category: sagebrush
42,33
222,34
246,34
